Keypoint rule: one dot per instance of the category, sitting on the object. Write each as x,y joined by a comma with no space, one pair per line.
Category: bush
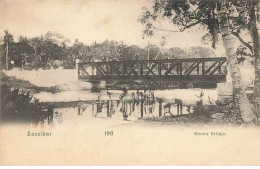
19,107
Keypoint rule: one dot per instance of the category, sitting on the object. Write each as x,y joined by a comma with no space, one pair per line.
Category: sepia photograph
129,83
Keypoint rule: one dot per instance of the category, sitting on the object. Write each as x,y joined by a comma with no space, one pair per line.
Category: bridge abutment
225,91
95,86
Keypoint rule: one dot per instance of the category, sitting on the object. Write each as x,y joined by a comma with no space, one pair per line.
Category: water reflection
140,105
17,105
126,106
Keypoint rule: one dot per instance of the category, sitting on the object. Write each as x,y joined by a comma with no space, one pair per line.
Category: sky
88,21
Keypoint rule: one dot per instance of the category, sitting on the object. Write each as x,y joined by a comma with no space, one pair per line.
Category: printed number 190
108,133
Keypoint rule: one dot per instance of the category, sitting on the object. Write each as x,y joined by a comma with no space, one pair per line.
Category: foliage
176,52
200,96
20,107
53,50
242,17
185,14
228,107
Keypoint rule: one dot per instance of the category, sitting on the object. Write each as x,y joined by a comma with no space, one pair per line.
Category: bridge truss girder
181,70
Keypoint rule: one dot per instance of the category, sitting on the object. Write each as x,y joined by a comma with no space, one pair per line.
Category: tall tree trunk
240,96
6,56
256,53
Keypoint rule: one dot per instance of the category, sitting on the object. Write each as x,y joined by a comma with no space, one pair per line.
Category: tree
8,39
106,51
21,51
130,52
177,53
238,88
186,14
246,19
78,51
135,53
252,26
152,52
46,51
57,38
123,52
200,52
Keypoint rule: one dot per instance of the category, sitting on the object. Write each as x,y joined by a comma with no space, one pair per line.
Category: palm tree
8,38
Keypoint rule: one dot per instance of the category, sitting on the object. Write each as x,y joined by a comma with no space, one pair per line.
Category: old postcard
129,82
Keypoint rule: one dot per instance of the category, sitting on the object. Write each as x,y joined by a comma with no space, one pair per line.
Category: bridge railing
167,69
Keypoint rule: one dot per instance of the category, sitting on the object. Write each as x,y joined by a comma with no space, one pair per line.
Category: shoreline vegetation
220,113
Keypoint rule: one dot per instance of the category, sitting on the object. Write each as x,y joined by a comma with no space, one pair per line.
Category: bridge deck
212,70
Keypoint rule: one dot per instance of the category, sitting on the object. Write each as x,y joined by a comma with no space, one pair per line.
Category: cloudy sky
87,20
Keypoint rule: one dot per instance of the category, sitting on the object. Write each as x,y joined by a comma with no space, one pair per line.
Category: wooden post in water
79,111
160,108
181,106
77,68
130,108
108,113
198,68
97,109
50,115
178,109
93,108
142,108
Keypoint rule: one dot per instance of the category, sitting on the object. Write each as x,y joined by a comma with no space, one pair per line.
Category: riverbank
24,84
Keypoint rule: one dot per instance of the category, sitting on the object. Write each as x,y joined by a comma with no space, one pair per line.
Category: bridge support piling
103,85
95,86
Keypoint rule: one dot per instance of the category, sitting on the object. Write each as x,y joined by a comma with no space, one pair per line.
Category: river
118,105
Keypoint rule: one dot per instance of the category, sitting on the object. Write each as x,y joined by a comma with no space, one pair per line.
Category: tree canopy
42,51
189,13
